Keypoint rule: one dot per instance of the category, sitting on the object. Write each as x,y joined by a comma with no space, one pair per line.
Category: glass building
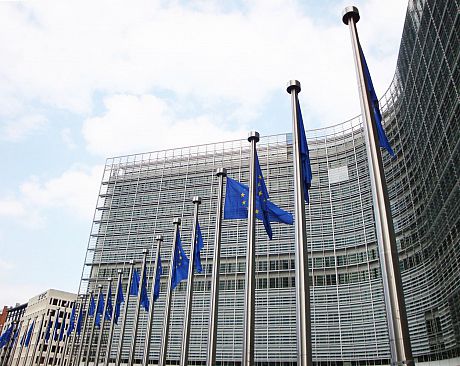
141,194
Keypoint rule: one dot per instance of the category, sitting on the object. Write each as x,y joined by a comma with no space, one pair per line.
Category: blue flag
198,246
6,336
305,155
236,205
15,336
29,334
92,306
62,331
134,290
156,290
71,321
120,299
100,309
383,141
48,331
180,264
56,326
109,309
80,321
144,297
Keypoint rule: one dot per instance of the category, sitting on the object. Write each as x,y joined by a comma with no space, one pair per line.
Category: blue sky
83,81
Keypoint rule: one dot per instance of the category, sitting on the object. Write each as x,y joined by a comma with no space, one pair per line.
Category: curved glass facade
140,195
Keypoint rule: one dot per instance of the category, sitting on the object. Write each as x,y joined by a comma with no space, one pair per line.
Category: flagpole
159,239
69,335
21,343
83,333
27,346
34,352
50,341
165,330
138,305
66,342
93,324
398,329
249,296
12,345
101,331
44,341
221,173
304,351
64,317
125,313
189,296
112,323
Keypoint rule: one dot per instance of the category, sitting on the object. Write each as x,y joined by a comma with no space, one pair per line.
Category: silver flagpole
64,317
68,337
249,295
34,352
52,335
221,173
21,344
83,333
138,306
145,359
189,297
66,342
101,331
125,314
12,345
93,325
165,331
43,345
28,346
112,322
304,353
400,347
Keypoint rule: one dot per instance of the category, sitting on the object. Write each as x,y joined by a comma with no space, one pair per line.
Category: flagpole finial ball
145,251
253,135
99,286
196,199
177,221
159,238
350,12
119,271
293,85
109,279
221,172
131,262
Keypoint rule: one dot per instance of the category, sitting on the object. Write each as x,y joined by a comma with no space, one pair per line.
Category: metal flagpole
249,295
68,336
159,239
189,296
38,339
401,352
304,356
93,324
221,173
52,335
136,313
21,344
165,331
27,346
10,348
125,313
112,322
83,333
101,331
43,345
64,317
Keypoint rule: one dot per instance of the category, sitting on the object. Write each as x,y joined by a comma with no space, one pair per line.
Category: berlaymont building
141,194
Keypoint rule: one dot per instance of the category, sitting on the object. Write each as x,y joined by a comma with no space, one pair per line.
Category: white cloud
139,123
64,53
20,128
66,135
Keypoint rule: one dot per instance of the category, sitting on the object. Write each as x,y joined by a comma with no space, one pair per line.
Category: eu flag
180,265
156,290
236,205
61,333
120,298
56,326
15,336
262,195
100,309
198,246
109,309
305,155
92,306
6,336
48,331
29,334
71,321
383,141
144,297
80,321
134,290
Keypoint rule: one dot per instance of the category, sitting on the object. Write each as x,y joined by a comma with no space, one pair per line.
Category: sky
81,81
